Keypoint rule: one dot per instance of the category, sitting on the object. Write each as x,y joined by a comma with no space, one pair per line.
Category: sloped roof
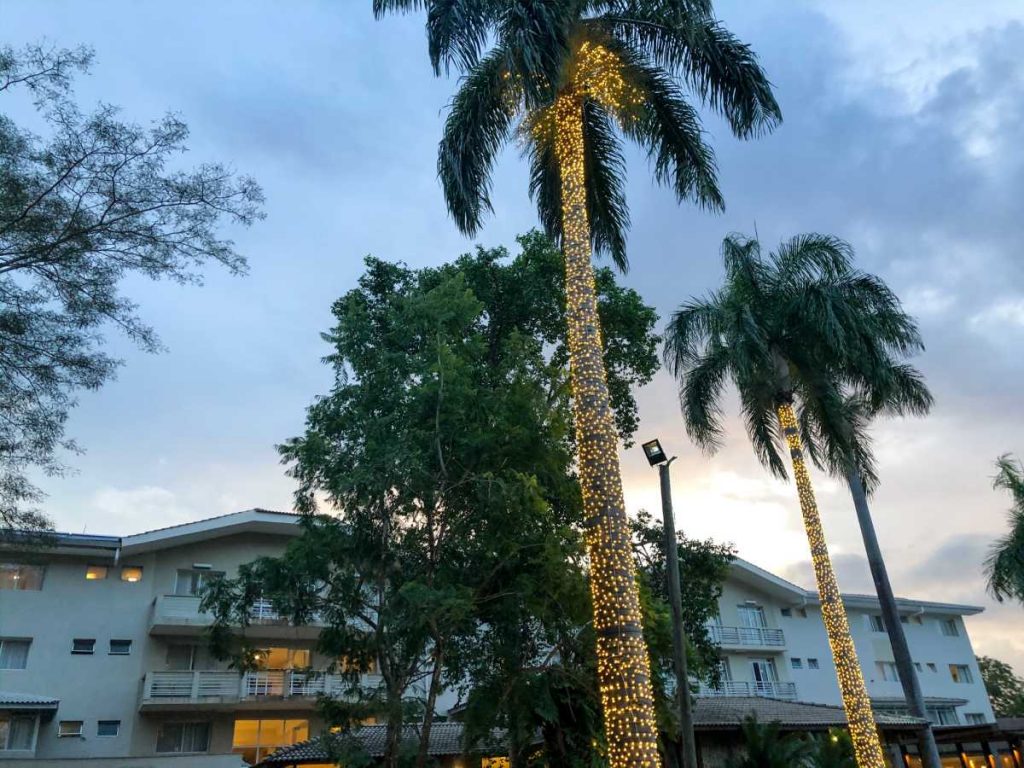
445,741
9,700
715,712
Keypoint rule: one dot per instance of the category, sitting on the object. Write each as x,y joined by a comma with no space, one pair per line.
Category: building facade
103,661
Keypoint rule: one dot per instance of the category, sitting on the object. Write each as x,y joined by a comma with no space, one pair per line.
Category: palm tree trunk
866,745
623,668
891,618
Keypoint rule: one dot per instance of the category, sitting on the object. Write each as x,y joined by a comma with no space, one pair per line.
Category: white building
102,660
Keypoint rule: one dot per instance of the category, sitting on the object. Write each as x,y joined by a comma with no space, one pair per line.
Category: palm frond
670,130
700,395
457,32
812,255
1004,567
691,326
757,402
720,69
477,127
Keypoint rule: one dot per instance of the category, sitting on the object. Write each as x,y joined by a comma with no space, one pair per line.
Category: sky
901,135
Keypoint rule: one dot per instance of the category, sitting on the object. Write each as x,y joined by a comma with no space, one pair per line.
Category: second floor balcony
774,689
180,615
747,637
226,689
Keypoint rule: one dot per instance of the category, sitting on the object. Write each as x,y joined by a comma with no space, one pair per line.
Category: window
797,663
876,623
752,616
974,718
949,628
131,573
812,663
108,727
20,576
918,667
120,647
17,732
943,716
961,673
191,582
801,613
69,728
183,737
932,667
255,739
95,572
787,612
83,645
887,670
181,657
14,654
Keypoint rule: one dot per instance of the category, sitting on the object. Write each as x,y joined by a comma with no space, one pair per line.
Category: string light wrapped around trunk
623,666
863,731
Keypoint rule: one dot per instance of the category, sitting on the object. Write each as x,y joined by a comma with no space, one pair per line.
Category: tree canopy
1005,688
93,200
1005,564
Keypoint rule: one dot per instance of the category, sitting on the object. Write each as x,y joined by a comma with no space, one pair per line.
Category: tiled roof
10,699
728,711
445,740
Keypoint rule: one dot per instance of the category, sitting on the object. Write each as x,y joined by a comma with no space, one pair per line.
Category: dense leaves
1005,688
1005,564
88,204
452,557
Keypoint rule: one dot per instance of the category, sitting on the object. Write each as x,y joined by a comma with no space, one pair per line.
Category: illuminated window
20,576
281,658
69,728
949,628
255,739
95,572
961,673
83,645
17,732
183,737
131,573
14,654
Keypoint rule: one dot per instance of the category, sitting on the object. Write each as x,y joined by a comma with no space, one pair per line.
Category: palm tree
570,79
1005,564
765,746
798,328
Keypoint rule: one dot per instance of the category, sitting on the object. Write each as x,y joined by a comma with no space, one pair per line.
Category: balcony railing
758,637
216,687
171,612
775,690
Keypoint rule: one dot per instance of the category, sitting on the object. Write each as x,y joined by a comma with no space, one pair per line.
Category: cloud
852,573
1004,314
129,510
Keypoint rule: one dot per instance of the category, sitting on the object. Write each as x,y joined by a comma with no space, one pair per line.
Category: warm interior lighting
623,667
131,573
95,572
863,731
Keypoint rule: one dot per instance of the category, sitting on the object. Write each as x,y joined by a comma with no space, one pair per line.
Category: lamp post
656,458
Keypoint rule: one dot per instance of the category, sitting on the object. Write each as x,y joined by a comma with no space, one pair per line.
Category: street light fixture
656,457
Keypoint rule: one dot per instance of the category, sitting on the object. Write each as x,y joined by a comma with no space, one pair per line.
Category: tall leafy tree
799,333
444,452
1005,564
1005,688
570,79
86,201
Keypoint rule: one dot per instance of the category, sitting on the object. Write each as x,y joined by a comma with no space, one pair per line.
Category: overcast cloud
901,134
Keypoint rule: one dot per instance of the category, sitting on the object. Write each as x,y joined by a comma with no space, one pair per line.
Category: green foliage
765,746
668,51
84,206
833,750
802,324
453,551
1005,564
1005,689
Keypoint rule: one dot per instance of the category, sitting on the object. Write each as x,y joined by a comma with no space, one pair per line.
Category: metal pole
687,741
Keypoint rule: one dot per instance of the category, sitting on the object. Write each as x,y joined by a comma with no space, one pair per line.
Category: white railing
760,637
219,686
773,689
184,610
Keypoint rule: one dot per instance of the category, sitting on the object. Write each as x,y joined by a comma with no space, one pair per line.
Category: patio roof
726,712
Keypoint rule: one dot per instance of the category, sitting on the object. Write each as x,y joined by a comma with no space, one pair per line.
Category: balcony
180,615
774,690
267,689
746,637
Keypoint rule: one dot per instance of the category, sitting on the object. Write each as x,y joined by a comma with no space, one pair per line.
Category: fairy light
863,731
623,667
